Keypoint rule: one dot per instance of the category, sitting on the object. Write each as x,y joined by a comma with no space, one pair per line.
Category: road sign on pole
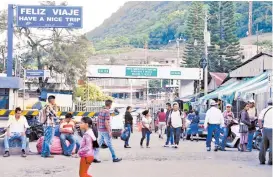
49,16
37,73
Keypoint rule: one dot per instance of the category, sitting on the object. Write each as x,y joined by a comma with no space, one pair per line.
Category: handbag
243,128
95,144
125,135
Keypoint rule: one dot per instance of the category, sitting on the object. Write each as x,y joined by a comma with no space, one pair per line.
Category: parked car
201,130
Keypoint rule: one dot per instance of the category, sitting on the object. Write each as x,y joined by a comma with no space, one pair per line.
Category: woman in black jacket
128,124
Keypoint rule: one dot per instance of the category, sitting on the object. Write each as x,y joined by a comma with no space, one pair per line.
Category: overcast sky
94,11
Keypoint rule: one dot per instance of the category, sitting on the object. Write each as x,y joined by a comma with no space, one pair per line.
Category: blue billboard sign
49,16
37,73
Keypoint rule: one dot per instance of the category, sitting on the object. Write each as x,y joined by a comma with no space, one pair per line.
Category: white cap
251,101
213,103
228,105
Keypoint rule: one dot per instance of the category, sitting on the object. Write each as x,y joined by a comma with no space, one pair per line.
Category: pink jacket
86,149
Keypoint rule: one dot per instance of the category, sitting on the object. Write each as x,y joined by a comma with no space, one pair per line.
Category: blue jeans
224,137
169,135
67,150
177,132
105,137
213,129
48,135
128,126
250,140
15,136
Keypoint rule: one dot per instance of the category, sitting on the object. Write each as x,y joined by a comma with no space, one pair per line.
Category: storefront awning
215,94
229,95
247,93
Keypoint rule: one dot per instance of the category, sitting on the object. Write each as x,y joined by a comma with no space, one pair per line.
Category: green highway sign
175,73
139,71
103,71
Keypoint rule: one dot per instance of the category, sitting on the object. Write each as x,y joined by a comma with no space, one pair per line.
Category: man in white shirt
266,116
213,122
176,121
16,129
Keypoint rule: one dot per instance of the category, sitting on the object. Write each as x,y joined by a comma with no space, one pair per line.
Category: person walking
104,129
266,117
128,124
169,130
47,118
228,119
177,122
194,125
253,115
161,123
244,126
146,128
86,151
213,122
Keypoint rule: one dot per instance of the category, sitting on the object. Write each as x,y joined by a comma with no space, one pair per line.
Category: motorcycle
36,130
233,139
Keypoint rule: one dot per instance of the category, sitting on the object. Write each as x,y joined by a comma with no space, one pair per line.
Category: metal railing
88,106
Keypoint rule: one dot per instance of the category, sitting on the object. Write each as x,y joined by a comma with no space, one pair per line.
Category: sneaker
117,160
50,156
6,154
147,146
216,149
208,148
23,153
269,163
175,146
141,146
166,145
262,163
127,147
96,161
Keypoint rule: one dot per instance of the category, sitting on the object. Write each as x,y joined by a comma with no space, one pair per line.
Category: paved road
191,160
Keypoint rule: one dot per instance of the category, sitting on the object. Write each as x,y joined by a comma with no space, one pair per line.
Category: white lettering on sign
32,11
72,12
71,19
54,19
41,19
28,18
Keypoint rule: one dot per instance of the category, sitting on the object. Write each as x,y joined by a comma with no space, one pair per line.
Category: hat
251,101
213,103
228,105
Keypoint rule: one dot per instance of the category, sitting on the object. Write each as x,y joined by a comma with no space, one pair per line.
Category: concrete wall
186,88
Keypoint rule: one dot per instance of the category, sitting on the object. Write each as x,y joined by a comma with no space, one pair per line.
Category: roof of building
251,59
218,77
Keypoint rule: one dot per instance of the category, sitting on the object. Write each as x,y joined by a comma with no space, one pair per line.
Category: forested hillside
156,23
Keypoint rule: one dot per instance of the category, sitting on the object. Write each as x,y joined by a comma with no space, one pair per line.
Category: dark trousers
169,135
177,132
266,143
145,132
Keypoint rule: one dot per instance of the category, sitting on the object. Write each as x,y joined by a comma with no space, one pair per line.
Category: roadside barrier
5,112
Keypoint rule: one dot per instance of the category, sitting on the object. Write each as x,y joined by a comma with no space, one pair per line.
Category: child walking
86,151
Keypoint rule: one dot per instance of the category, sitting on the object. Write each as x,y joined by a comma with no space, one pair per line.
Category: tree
194,49
230,49
95,93
62,51
214,29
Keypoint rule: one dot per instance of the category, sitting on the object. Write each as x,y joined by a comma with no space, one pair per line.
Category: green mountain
155,23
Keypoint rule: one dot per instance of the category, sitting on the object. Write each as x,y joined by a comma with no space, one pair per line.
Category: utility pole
257,34
250,18
207,41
